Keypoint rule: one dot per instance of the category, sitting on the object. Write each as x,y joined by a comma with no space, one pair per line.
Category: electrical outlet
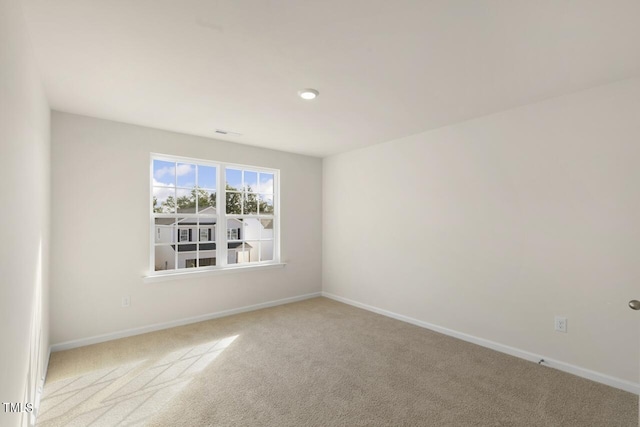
561,324
126,301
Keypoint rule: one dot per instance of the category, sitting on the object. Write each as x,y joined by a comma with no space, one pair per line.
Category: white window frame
221,220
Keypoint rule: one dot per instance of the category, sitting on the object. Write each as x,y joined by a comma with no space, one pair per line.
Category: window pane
234,229
251,227
186,229
242,253
165,258
251,181
164,173
266,250
207,177
185,235
207,251
233,251
266,183
206,262
206,232
186,175
266,204
234,179
186,200
251,250
165,230
234,203
206,201
250,203
187,255
266,229
164,200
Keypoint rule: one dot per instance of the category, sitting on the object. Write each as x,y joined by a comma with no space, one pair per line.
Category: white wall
100,229
493,226
24,222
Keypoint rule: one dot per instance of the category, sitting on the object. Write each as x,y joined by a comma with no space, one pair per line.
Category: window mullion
197,239
176,253
276,217
197,230
152,248
221,246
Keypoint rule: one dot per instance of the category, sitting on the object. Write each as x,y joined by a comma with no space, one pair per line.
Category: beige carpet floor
315,363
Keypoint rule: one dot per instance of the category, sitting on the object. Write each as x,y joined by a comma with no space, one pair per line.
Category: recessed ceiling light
308,94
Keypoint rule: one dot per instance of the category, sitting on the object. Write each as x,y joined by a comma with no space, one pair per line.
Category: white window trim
206,271
221,223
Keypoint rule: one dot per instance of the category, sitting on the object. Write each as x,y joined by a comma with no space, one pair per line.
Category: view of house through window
192,199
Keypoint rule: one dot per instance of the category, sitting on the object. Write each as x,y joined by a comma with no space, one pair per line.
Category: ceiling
384,69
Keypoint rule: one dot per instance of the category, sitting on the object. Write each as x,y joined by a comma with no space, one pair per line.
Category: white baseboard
180,322
561,366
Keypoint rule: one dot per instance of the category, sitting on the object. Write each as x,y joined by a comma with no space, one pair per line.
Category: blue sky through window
266,183
234,178
164,173
207,177
186,175
251,180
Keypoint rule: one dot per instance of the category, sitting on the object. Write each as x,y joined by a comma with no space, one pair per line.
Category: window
192,199
203,262
250,215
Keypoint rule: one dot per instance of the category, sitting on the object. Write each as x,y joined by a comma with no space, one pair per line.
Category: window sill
202,273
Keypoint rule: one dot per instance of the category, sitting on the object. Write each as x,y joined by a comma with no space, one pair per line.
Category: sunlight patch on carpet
128,394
